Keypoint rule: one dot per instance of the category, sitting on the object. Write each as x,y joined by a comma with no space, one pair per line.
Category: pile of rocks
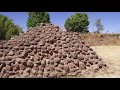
47,52
3,42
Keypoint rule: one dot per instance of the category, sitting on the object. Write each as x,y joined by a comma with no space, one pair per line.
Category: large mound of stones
47,52
2,42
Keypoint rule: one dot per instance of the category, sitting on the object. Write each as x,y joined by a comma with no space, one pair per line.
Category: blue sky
110,20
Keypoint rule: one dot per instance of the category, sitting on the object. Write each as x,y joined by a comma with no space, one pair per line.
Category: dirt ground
111,55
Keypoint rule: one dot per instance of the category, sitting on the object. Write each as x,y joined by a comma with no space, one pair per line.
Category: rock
73,55
95,68
39,76
53,74
93,53
24,54
59,74
1,54
41,43
74,69
31,47
16,48
12,72
57,60
24,62
71,65
8,67
26,44
77,73
1,46
90,49
71,74
76,62
22,67
8,58
19,60
37,40
60,66
66,68
65,46
82,66
58,69
28,70
30,63
80,57
46,74
11,53
25,74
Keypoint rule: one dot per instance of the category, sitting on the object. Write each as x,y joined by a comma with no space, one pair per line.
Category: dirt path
111,55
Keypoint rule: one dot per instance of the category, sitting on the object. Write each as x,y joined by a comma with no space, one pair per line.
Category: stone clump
47,52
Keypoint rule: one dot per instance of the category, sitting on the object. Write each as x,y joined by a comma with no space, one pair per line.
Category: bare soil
111,55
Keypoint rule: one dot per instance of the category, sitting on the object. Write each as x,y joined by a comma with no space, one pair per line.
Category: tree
20,30
35,18
11,32
3,19
7,28
99,26
77,22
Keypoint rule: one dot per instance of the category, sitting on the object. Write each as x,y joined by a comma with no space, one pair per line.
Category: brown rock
11,53
60,66
8,58
16,48
95,68
8,67
71,74
72,65
1,54
1,46
58,69
74,69
90,49
57,60
59,74
93,53
46,74
90,62
82,66
66,68
76,62
30,63
41,43
53,74
25,74
80,57
37,40
22,67
39,76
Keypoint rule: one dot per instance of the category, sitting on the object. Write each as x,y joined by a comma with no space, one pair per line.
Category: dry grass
102,39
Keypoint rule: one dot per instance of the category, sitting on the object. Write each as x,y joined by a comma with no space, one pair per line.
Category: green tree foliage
19,29
7,28
35,18
77,22
99,26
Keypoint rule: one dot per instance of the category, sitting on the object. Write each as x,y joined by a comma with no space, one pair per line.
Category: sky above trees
110,20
